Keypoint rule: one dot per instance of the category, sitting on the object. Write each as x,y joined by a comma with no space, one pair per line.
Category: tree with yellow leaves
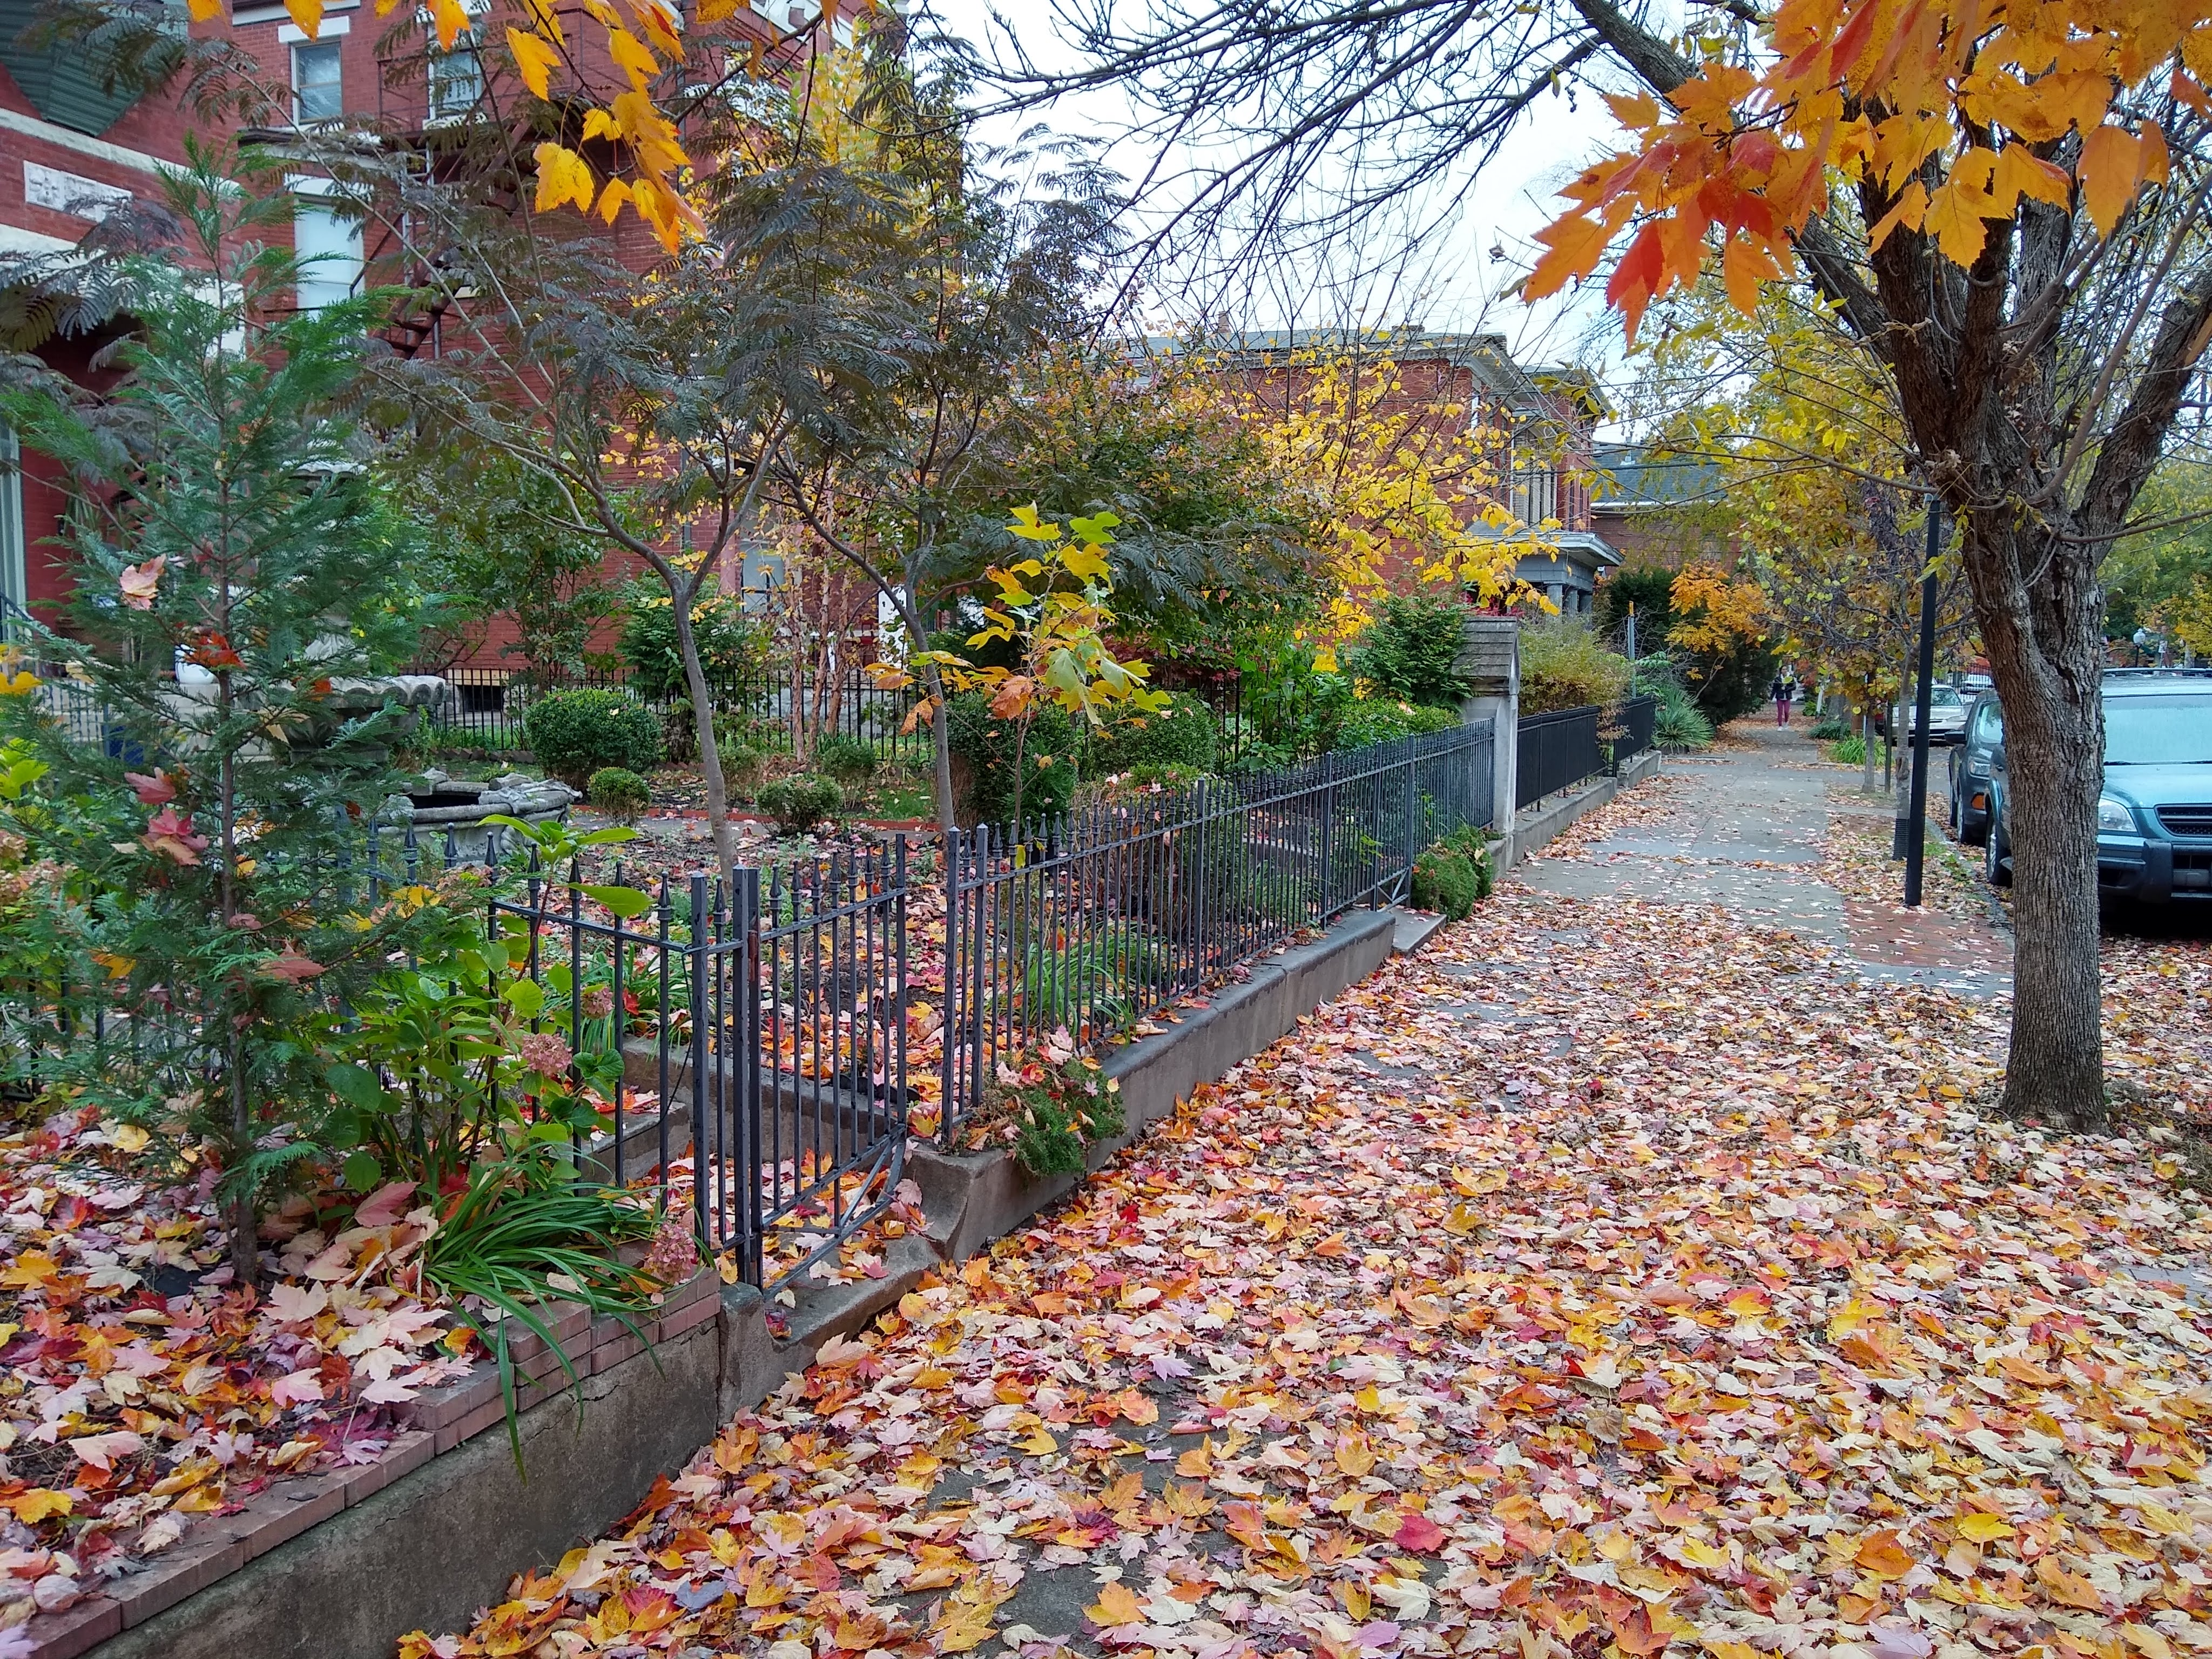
1386,474
1813,476
1053,607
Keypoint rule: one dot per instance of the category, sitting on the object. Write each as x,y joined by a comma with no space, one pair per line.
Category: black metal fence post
705,1126
742,1068
948,1099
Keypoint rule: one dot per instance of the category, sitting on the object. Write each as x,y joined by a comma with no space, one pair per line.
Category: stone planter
452,811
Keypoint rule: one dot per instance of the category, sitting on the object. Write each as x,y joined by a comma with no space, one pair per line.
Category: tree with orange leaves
2004,205
2003,201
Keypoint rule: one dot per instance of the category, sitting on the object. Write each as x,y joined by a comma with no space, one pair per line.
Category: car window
1943,698
1988,721
2159,730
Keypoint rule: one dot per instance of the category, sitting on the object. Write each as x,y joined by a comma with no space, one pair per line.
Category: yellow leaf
1854,1313
2148,1642
1354,1455
599,124
307,14
1039,1443
1117,1604
35,1506
633,57
612,199
563,176
1196,1463
962,1625
451,21
534,59
1954,219
1084,563
1911,208
1984,1529
2021,172
2111,167
32,1269
204,11
1706,1558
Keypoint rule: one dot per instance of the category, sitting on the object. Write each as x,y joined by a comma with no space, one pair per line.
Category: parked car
1947,716
1969,770
2154,817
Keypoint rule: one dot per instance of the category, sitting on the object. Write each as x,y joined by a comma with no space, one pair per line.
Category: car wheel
1995,849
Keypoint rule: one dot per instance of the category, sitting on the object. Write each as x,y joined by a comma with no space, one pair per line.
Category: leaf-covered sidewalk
1615,1274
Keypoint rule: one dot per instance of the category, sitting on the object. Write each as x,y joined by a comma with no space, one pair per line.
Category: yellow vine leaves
1946,116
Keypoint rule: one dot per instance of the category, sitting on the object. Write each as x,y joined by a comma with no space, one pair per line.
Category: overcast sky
1451,283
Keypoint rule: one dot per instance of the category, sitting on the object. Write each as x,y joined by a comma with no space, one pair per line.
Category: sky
1451,283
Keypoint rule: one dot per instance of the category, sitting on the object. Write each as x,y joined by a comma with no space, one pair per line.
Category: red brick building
1531,431
70,152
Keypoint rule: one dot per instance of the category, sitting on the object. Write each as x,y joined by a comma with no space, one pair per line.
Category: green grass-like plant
525,1231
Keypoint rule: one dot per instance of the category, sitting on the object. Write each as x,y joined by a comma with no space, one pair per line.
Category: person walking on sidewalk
1784,692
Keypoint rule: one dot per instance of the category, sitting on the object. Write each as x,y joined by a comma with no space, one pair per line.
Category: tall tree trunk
702,717
2046,640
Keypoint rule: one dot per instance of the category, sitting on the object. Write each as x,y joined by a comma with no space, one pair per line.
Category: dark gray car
2154,817
1969,770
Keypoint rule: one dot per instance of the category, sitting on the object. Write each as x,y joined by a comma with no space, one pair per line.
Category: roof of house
1633,477
1486,355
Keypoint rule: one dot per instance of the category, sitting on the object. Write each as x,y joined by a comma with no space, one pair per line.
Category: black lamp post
1916,825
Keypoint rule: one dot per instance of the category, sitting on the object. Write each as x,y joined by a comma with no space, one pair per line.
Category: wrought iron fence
1634,729
758,1025
748,1036
1092,922
488,706
1561,749
1558,751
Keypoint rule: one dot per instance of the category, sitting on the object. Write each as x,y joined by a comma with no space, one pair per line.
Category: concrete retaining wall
1537,826
434,1544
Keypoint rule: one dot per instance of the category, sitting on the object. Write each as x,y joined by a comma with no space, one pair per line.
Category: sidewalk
1746,826
1628,1269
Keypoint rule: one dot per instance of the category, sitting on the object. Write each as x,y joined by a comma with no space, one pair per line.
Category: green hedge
1185,734
576,733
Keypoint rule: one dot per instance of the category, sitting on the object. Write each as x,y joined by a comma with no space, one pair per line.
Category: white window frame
14,576
464,46
307,191
778,12
336,53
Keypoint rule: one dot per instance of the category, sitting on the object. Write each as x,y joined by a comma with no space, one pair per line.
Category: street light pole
1917,821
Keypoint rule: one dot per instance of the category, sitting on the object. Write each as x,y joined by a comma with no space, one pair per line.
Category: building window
327,240
317,92
456,79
